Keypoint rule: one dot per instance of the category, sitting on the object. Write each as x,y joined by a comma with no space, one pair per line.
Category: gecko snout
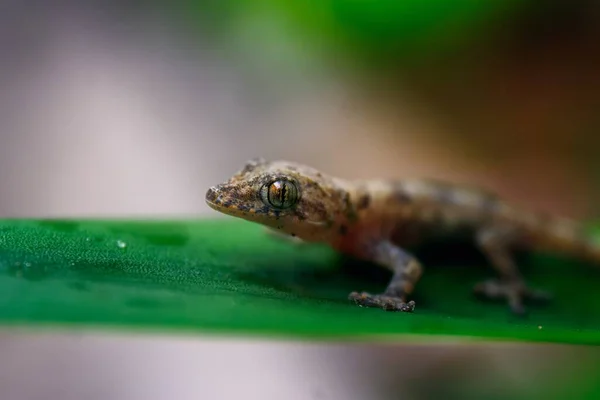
212,194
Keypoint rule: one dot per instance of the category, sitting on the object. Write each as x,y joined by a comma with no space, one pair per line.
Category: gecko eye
280,194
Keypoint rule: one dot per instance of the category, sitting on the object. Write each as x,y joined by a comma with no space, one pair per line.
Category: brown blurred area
523,103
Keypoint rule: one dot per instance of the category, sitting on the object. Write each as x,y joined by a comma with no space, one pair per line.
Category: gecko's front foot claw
387,303
515,293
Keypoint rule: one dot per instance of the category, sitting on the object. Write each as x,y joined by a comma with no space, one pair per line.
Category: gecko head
292,198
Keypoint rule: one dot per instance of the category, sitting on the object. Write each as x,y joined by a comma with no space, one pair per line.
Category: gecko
379,221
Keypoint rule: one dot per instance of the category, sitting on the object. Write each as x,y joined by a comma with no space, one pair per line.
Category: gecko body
379,220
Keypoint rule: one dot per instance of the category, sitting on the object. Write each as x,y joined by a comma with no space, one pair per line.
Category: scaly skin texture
378,221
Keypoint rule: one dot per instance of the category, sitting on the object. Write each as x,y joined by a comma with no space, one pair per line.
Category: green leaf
229,276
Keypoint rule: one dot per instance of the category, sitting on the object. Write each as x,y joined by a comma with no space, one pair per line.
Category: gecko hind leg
407,271
510,286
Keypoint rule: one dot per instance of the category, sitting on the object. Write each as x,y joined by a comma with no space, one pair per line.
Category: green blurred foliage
380,29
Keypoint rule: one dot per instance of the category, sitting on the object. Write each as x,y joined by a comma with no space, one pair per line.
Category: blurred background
134,108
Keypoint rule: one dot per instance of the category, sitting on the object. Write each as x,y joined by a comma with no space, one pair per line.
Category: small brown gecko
378,220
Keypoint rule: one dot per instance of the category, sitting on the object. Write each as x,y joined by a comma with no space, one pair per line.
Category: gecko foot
387,303
513,292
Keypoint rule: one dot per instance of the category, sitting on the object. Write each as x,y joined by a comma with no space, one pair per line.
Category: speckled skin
378,220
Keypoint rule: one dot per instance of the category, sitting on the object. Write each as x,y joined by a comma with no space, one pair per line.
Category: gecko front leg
407,271
495,243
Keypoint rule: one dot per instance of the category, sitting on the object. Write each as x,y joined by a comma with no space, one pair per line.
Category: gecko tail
569,237
591,248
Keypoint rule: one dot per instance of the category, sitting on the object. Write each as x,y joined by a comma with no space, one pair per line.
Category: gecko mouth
214,199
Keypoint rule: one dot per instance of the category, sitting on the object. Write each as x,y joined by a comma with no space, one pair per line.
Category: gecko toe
514,293
408,307
387,303
541,296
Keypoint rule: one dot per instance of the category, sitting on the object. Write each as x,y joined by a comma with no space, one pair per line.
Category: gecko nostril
211,194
